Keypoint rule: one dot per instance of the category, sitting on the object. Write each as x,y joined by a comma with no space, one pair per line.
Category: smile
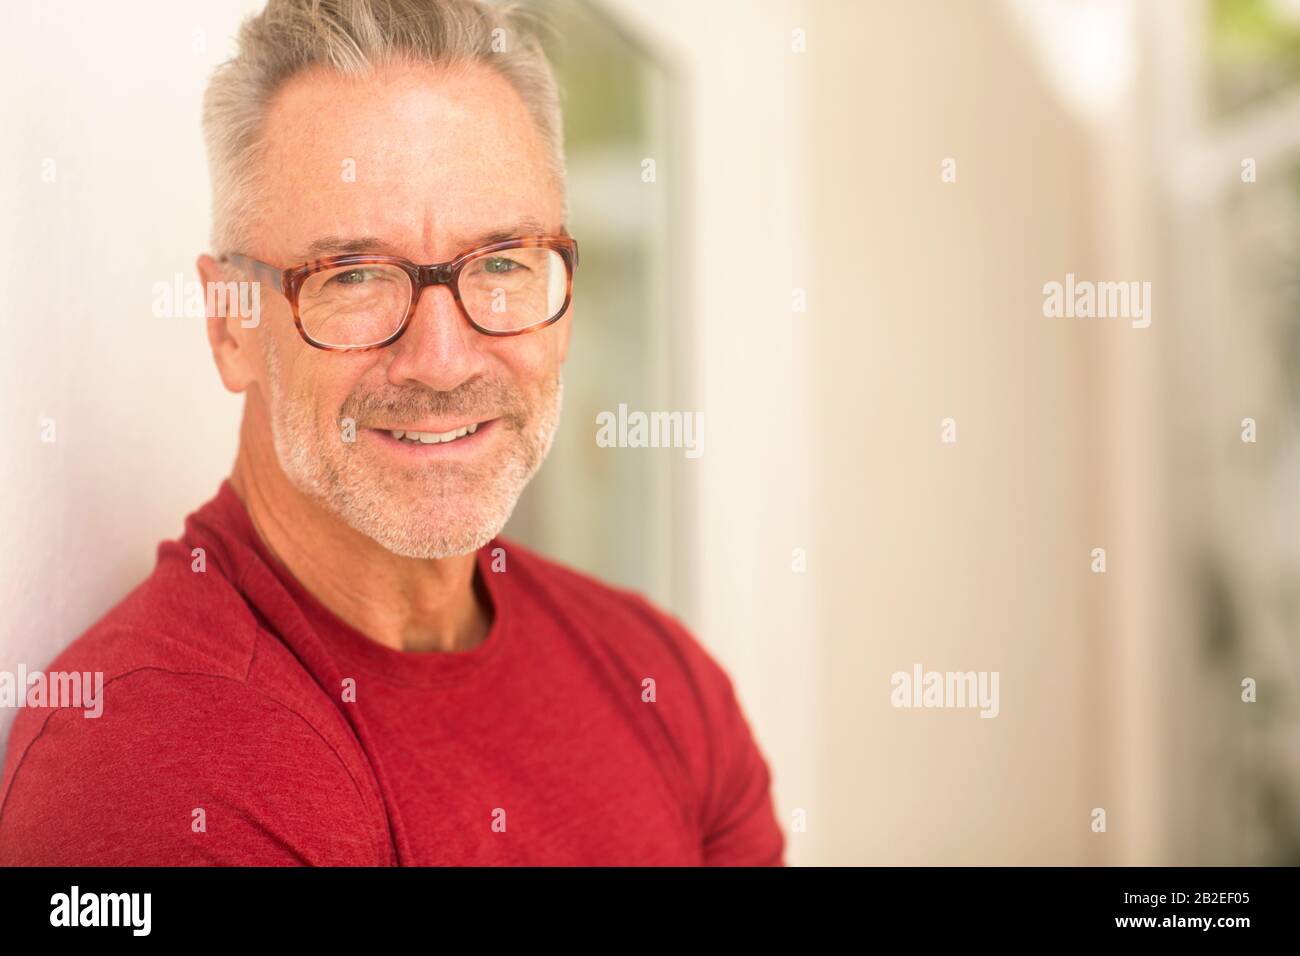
434,438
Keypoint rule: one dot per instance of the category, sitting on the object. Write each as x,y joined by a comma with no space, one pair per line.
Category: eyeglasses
360,302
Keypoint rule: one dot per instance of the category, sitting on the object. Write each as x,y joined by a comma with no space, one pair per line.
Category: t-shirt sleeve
740,825
180,769
738,821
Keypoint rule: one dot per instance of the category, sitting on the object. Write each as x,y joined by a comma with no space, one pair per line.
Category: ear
229,334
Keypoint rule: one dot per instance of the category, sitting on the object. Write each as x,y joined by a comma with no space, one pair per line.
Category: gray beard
429,511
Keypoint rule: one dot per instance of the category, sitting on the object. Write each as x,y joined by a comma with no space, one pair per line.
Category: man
340,662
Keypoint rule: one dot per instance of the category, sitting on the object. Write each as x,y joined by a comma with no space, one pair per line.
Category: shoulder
639,646
179,639
176,701
201,612
573,589
694,700
193,612
177,619
172,767
625,622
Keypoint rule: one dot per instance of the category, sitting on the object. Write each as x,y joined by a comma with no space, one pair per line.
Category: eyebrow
356,245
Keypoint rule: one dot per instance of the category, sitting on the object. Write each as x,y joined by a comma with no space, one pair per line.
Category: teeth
434,438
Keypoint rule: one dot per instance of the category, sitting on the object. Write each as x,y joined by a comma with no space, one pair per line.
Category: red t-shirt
243,723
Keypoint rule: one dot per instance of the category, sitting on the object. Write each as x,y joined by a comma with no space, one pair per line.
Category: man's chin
424,532
429,545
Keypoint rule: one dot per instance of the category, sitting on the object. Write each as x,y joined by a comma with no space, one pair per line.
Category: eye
356,276
500,264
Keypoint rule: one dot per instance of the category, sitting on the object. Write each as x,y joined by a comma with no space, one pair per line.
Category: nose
439,348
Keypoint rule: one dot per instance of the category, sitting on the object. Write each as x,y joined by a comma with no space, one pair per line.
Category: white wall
924,302
143,429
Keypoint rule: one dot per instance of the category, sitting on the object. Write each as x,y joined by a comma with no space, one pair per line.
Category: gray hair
353,37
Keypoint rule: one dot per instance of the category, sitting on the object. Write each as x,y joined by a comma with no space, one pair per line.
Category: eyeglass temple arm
258,270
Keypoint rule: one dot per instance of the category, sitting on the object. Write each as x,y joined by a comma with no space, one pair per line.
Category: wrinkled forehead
423,157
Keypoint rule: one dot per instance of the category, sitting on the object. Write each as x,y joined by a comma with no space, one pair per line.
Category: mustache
477,398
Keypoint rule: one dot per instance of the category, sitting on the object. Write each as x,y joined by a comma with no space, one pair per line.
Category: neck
408,604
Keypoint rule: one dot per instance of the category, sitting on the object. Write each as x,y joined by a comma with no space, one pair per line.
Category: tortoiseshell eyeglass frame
288,282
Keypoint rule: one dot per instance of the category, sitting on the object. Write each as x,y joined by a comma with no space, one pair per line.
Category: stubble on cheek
300,438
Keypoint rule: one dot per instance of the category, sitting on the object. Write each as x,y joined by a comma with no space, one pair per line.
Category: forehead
420,156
